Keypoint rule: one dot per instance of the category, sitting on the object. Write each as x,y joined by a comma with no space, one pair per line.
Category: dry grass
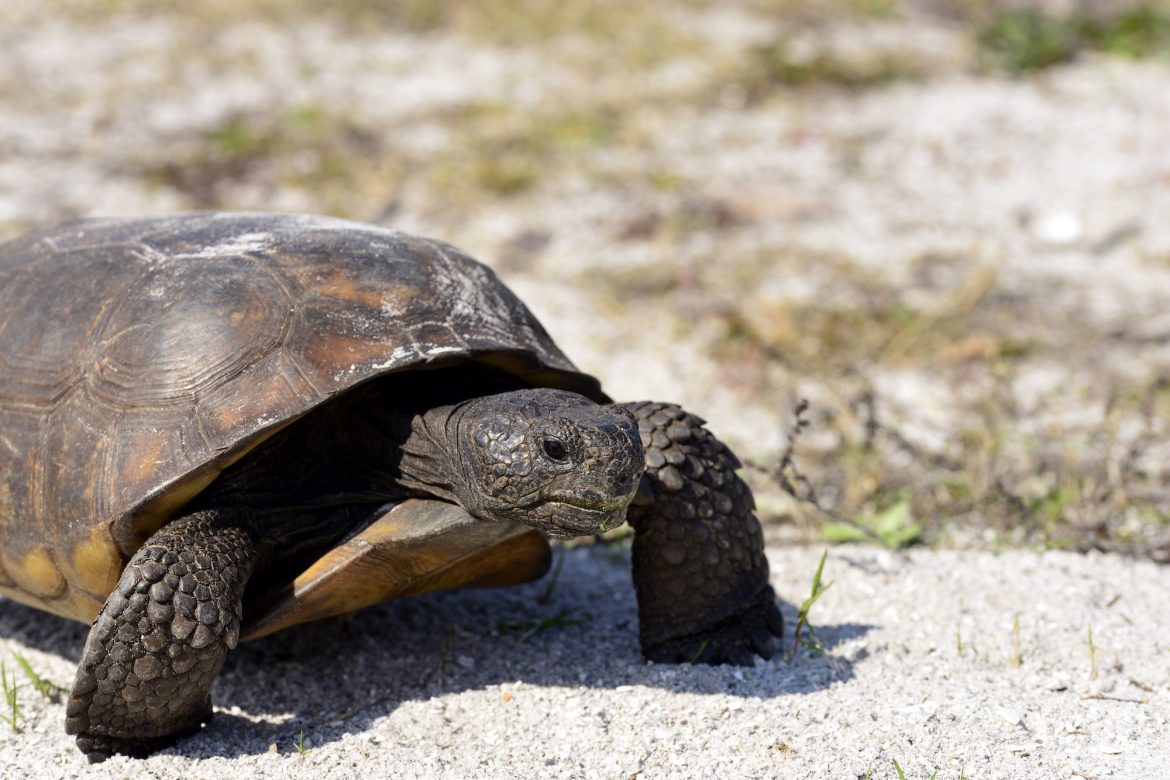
498,22
307,148
989,470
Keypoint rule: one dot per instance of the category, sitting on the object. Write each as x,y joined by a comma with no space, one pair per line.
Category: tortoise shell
140,358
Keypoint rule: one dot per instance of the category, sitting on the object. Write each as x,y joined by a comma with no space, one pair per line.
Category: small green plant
699,653
813,643
1092,655
529,628
902,775
47,688
1022,40
1140,31
893,526
9,686
960,646
302,749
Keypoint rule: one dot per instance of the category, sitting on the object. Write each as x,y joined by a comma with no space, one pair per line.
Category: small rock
1011,716
1059,229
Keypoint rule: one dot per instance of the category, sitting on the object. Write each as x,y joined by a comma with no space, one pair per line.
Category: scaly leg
156,646
699,567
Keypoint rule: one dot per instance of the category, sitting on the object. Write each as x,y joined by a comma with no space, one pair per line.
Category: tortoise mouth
590,502
565,516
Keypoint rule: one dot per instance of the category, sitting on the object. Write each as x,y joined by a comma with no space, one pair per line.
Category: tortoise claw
734,641
98,747
763,644
739,656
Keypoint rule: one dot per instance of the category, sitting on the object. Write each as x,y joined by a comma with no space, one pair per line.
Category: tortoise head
551,459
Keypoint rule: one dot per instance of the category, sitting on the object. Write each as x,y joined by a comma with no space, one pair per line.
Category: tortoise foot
98,747
736,640
153,653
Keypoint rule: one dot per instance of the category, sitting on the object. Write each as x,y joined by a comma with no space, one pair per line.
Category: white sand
434,688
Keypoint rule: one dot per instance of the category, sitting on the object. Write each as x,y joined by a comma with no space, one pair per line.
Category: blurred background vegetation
943,223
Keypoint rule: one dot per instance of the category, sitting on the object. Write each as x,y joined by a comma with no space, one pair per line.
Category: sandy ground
974,664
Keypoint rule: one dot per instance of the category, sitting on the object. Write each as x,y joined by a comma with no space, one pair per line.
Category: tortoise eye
555,449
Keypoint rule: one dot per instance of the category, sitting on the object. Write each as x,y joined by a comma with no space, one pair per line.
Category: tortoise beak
564,516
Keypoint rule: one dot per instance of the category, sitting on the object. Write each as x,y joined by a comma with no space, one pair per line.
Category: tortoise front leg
156,646
699,567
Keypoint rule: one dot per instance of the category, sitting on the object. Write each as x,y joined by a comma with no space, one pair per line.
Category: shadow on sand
340,676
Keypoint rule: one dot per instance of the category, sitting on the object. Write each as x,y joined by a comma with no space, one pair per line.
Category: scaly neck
429,461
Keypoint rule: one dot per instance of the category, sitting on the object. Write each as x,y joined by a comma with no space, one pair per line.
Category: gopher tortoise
214,426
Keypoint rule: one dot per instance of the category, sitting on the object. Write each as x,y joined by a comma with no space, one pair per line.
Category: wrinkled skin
551,459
